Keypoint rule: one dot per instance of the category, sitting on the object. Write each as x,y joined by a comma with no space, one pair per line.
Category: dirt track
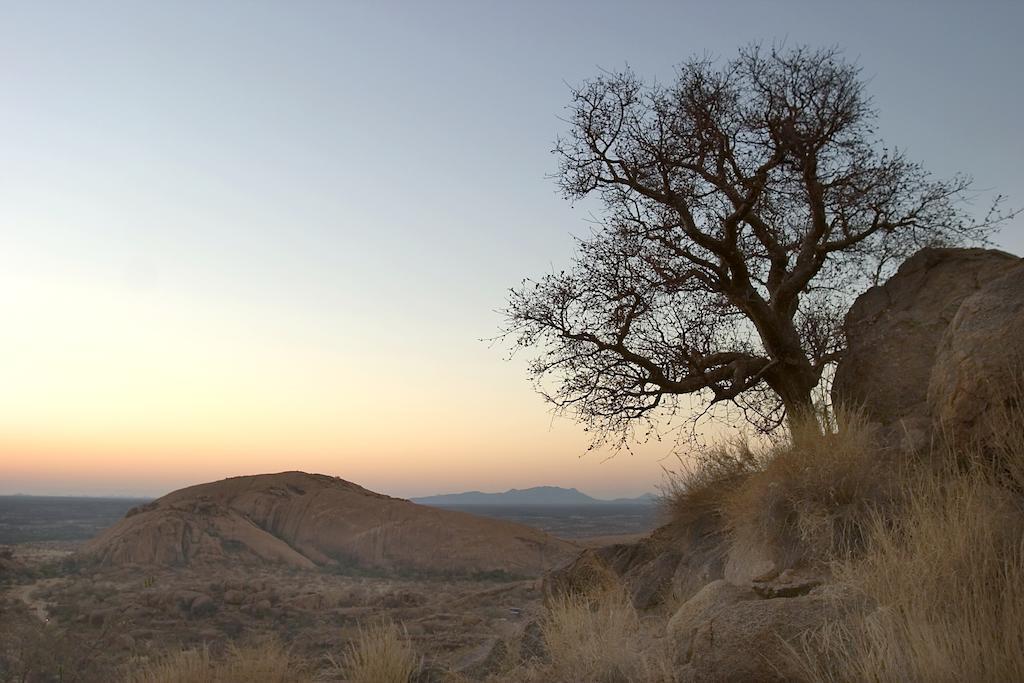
36,606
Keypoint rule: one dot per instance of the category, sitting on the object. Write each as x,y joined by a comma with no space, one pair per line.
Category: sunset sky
243,237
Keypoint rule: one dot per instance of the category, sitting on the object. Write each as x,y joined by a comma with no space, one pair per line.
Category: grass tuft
809,499
599,640
268,662
801,501
381,654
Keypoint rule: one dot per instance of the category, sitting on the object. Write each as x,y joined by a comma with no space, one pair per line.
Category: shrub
31,650
947,578
697,489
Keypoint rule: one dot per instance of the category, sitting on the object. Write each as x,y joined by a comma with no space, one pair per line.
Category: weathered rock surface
726,633
695,612
588,574
893,331
308,520
979,364
674,562
748,561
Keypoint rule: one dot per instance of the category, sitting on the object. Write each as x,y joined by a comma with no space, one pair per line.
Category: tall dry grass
268,662
800,500
810,497
598,640
696,489
945,574
381,654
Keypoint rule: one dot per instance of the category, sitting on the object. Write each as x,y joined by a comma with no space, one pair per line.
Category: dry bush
268,662
597,641
381,654
803,499
945,574
810,498
697,488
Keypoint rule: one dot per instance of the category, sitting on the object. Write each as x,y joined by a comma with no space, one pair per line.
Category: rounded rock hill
313,520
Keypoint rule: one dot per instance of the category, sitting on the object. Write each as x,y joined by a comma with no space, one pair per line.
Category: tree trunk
796,394
801,415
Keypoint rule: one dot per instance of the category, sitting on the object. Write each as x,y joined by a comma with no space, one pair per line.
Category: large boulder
589,575
726,633
893,332
692,615
979,364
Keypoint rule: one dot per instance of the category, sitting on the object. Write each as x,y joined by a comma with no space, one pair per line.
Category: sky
243,237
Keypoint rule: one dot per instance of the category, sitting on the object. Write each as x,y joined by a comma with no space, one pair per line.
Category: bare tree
743,206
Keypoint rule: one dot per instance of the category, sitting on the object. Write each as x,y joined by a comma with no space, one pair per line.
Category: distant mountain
645,499
537,495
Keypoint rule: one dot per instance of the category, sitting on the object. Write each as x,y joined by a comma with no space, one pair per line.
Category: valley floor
105,620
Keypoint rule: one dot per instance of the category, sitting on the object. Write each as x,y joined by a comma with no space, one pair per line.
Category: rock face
309,520
979,364
674,562
728,634
893,331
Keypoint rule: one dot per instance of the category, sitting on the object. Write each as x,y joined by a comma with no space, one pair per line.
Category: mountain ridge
535,495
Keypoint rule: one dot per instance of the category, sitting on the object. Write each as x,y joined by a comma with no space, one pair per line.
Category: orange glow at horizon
121,390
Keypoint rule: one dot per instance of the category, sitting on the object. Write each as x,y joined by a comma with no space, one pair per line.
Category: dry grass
268,662
800,500
946,575
697,488
811,497
381,654
31,650
597,641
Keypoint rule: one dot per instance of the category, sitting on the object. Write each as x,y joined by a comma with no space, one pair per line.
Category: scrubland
928,548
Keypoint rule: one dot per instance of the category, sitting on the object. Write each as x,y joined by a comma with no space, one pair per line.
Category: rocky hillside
311,520
934,375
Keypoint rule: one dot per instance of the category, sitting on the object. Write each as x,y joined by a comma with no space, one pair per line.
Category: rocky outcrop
727,633
589,575
979,365
674,562
712,599
893,330
939,345
309,520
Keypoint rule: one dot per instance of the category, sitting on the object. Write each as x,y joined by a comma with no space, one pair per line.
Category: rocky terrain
307,520
97,620
935,353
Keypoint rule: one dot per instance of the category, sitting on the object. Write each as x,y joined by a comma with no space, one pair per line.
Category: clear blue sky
244,236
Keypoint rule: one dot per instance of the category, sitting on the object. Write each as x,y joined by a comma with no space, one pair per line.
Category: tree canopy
744,205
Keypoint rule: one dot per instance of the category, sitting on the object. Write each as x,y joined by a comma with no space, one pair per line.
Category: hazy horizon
257,237
411,497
